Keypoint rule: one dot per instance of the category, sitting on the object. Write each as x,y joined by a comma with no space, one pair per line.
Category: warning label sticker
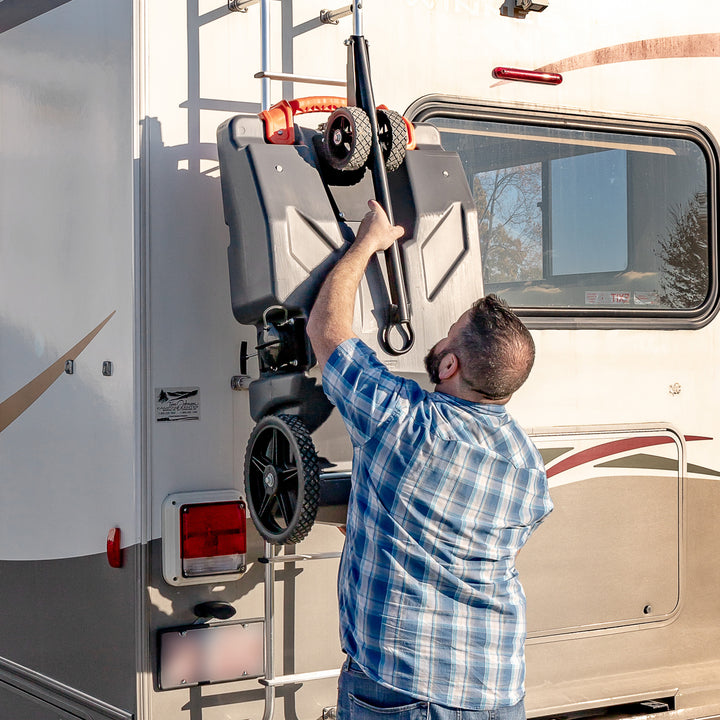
646,298
607,297
176,404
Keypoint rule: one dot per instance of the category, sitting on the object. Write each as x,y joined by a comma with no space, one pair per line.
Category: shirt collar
486,408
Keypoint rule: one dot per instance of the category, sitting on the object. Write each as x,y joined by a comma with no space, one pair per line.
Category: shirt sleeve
363,390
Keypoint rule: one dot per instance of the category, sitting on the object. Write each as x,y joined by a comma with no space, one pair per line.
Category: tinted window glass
586,219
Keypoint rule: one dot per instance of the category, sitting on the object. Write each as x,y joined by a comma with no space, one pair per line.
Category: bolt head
269,479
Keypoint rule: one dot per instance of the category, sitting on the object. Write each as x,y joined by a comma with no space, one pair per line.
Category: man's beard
432,364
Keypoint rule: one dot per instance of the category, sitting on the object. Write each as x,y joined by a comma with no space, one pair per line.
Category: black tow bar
360,93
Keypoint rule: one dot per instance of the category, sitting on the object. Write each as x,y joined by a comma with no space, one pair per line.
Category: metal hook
405,329
266,324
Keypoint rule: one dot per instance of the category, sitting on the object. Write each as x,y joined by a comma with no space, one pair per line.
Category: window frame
443,106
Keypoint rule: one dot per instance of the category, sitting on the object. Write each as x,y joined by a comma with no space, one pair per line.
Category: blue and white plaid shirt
445,492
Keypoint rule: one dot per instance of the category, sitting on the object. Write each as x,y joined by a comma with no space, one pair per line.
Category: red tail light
203,537
212,538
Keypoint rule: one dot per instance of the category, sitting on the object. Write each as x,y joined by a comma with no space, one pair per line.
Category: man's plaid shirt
445,492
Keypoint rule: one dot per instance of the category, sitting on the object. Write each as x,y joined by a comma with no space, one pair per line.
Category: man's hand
375,231
330,321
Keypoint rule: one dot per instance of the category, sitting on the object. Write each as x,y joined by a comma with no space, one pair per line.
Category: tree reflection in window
683,252
508,202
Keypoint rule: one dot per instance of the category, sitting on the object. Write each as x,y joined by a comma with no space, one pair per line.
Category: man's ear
449,365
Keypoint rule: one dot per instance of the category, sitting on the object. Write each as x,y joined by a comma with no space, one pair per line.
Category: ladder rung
300,78
300,557
335,475
299,678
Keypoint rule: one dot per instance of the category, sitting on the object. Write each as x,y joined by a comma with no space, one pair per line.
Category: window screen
576,219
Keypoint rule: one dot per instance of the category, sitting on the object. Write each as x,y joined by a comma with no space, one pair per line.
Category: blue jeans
360,698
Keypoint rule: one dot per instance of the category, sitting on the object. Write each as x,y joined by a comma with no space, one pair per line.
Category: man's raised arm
330,321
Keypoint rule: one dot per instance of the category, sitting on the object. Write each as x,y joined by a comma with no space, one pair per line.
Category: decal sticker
607,297
645,298
176,404
614,447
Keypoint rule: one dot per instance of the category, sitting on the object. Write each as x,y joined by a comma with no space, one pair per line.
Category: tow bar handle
359,83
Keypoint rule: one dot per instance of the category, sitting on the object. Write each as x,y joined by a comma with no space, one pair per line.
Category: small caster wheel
282,479
347,139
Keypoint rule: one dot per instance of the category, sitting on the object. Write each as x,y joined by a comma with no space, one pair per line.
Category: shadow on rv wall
199,702
17,12
172,607
187,242
187,246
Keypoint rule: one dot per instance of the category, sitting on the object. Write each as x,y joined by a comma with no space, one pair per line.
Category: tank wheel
282,479
347,139
393,136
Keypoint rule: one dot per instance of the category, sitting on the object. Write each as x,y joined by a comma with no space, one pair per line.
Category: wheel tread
394,154
308,479
362,140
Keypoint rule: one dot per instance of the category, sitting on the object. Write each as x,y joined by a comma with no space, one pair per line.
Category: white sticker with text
175,404
607,297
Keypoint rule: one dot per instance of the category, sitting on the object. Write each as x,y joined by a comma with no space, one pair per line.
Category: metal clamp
333,17
282,308
240,5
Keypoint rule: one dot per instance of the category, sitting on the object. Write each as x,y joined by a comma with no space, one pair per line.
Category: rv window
578,221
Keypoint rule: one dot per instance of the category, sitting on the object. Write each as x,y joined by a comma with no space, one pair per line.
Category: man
446,489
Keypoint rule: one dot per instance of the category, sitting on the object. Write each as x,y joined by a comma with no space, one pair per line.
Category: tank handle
278,120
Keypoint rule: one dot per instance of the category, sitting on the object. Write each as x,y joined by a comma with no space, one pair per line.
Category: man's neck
460,389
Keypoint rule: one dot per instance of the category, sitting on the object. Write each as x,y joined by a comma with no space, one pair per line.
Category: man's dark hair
497,351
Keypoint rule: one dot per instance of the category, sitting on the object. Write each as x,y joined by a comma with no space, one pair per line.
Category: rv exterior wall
112,213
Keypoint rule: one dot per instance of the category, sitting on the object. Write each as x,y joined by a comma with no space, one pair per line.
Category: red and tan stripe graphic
615,447
680,46
12,408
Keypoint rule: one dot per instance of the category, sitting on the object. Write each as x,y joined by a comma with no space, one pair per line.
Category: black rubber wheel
347,139
282,479
393,137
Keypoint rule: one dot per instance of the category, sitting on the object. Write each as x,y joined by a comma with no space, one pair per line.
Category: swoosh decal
643,461
612,448
680,46
12,408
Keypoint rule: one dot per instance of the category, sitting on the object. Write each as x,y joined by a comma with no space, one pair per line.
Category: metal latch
520,8
523,7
